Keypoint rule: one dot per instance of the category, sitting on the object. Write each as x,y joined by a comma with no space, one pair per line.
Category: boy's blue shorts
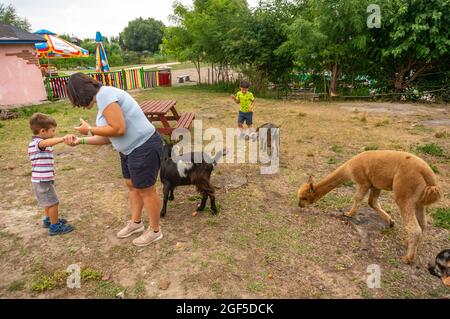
246,117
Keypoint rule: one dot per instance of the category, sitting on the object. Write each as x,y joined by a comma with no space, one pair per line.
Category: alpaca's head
306,193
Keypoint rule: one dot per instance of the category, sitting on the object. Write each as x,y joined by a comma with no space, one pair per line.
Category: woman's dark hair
81,89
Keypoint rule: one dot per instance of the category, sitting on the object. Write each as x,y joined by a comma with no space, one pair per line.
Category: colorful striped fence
150,78
126,79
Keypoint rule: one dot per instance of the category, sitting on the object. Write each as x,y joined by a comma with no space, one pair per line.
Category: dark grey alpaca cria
266,143
175,173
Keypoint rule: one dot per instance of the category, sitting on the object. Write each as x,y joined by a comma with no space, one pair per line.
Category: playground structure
125,79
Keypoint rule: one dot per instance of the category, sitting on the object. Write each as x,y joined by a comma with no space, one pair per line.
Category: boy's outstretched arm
233,97
50,142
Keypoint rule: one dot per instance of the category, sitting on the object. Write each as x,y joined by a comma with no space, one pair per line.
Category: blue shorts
142,164
246,117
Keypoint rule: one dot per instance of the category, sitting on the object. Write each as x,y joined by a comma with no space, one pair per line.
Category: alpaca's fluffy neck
330,182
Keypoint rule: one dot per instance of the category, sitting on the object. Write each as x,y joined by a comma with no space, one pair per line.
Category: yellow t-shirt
245,100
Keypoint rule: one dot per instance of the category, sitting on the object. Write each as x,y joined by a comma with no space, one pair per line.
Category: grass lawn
259,245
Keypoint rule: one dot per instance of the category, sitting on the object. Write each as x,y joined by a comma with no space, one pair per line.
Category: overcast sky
83,18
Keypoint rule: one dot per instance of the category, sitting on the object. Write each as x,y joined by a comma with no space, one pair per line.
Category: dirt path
260,245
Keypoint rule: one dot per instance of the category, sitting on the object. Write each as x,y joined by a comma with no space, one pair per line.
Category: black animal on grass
440,267
178,173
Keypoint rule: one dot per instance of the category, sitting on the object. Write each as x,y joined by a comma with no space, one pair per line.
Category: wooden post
141,71
208,76
50,96
124,77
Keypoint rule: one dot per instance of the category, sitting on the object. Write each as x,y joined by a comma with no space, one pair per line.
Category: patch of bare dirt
259,245
436,123
394,108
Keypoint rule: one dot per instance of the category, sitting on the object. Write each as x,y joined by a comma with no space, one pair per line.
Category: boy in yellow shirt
246,100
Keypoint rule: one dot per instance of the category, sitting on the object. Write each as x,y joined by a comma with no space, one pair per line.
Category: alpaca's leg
171,196
407,195
373,202
421,217
359,196
407,211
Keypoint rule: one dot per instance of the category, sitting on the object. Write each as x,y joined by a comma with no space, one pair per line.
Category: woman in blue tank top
121,122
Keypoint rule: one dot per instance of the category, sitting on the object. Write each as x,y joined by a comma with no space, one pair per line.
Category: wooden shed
21,79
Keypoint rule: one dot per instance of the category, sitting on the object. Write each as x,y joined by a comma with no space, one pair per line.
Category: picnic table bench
158,111
185,120
184,78
304,93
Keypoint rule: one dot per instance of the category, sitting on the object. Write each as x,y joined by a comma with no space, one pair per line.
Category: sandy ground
260,245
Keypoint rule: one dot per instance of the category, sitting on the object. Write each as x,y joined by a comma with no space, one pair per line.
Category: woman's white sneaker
130,229
147,238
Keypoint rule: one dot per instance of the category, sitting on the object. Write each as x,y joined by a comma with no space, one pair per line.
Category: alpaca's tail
432,192
430,195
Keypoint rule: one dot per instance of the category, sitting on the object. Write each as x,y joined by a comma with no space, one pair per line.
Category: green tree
414,39
142,35
8,15
215,23
200,33
254,46
178,42
66,37
329,36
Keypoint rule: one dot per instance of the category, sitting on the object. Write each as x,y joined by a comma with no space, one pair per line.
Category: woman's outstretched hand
83,128
71,140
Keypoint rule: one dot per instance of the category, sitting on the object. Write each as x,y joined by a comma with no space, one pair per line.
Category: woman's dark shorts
142,165
246,117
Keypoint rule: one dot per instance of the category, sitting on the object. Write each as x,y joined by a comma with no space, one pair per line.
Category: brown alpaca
411,179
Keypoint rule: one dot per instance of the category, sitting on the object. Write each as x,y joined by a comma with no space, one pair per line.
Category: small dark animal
440,267
181,173
267,142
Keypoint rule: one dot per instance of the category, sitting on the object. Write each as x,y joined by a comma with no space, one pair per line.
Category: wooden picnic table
158,110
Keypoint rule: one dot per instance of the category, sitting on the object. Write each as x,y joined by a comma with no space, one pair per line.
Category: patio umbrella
101,61
56,47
